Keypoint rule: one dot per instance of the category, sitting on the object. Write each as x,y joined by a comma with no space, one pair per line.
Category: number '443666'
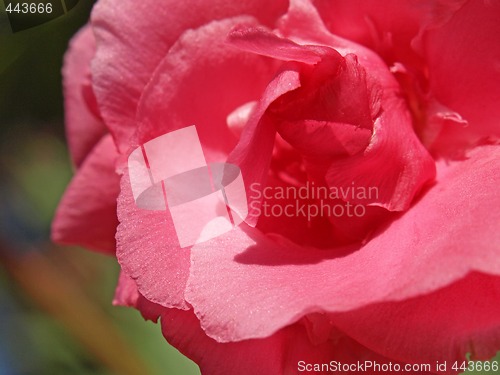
32,8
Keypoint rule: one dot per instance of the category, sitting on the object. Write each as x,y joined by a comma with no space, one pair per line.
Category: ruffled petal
390,29
331,114
445,325
395,163
86,215
128,53
265,43
288,351
244,285
214,88
361,95
253,152
313,344
199,82
149,252
84,127
346,115
463,57
127,294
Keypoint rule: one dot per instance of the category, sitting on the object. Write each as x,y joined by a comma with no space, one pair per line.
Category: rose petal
128,54
214,89
332,114
288,351
313,341
445,325
389,29
265,43
149,252
244,285
237,120
86,215
126,294
468,42
84,127
403,166
182,330
407,166
200,81
254,150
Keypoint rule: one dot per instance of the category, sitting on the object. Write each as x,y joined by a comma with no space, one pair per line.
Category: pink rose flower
399,100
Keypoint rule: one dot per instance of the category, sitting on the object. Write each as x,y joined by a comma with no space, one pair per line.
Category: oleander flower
391,109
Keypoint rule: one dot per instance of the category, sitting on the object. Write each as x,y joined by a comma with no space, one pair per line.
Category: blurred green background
56,315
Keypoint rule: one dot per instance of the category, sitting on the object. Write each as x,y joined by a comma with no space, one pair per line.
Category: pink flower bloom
394,108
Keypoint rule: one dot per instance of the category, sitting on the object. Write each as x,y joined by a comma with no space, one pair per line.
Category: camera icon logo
170,173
